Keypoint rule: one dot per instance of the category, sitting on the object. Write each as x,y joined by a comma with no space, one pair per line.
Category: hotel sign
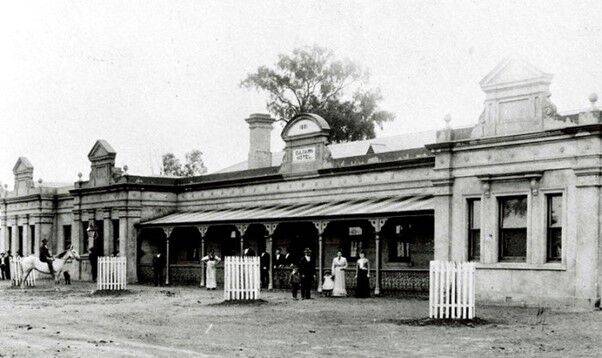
304,155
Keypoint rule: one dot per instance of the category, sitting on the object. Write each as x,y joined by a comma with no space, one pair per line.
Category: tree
312,80
194,165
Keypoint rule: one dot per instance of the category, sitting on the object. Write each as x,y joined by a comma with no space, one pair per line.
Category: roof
359,148
345,208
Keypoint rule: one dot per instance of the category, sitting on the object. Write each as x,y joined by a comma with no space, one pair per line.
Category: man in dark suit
46,257
278,259
288,259
7,265
306,269
248,252
264,268
93,257
158,264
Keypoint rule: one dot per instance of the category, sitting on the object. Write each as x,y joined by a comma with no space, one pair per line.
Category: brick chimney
260,126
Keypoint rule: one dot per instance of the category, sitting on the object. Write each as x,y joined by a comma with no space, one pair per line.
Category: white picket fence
111,273
16,274
452,290
241,278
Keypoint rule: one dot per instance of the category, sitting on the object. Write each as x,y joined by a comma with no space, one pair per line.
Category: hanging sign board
303,155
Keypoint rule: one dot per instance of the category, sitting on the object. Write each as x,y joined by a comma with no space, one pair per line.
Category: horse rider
46,257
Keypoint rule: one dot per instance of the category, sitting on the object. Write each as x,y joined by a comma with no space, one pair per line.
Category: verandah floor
185,321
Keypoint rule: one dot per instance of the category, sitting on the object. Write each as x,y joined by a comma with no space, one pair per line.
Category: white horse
32,262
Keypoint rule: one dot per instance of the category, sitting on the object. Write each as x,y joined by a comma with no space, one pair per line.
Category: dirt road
188,321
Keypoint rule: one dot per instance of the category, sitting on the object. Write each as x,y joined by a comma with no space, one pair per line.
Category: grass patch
444,322
111,293
258,302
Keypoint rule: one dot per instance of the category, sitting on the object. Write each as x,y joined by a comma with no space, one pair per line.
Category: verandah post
321,226
270,229
377,223
242,229
167,230
203,231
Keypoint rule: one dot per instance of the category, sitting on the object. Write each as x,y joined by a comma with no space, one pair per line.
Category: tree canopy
312,80
193,164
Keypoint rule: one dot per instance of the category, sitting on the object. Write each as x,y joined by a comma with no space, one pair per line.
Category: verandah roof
302,210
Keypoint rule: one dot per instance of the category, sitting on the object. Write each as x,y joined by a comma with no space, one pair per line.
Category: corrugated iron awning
302,210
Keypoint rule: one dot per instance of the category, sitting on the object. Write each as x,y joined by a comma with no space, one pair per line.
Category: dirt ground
187,321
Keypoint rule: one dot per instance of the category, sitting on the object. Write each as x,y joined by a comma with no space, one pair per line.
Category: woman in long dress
339,264
211,261
362,288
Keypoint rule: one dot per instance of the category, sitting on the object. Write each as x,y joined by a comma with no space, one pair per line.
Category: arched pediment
305,124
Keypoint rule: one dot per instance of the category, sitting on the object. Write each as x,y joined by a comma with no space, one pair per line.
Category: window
400,248
21,246
115,224
474,229
66,236
554,233
513,228
355,241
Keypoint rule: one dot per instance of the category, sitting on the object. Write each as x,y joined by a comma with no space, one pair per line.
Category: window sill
553,266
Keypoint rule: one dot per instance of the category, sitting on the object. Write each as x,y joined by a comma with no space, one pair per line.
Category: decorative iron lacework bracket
203,229
167,230
321,226
242,228
270,228
378,223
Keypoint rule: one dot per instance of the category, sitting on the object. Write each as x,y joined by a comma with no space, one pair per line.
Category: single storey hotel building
518,193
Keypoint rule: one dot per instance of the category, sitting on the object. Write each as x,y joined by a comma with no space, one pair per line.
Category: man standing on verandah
306,269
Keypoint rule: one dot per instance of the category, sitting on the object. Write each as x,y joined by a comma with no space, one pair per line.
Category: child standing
328,284
295,280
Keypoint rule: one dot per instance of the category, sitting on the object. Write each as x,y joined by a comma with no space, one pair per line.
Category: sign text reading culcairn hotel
305,154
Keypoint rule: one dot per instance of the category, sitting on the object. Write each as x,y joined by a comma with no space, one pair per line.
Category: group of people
302,277
5,265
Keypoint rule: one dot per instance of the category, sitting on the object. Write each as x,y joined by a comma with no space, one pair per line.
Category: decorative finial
592,99
125,169
447,120
79,175
40,181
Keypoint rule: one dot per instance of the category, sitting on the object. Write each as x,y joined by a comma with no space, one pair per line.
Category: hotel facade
518,193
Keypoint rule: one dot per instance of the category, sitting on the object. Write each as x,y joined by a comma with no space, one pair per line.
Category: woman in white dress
339,264
211,261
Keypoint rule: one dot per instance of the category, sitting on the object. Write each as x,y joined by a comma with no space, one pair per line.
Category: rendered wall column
131,245
123,233
443,226
4,239
26,237
38,236
15,236
76,237
587,245
107,233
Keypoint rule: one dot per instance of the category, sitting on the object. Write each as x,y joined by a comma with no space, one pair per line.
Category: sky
163,76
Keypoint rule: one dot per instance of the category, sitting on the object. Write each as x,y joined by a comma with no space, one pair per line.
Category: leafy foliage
312,80
193,165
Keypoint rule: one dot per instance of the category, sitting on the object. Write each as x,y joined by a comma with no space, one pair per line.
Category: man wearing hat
306,269
46,257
